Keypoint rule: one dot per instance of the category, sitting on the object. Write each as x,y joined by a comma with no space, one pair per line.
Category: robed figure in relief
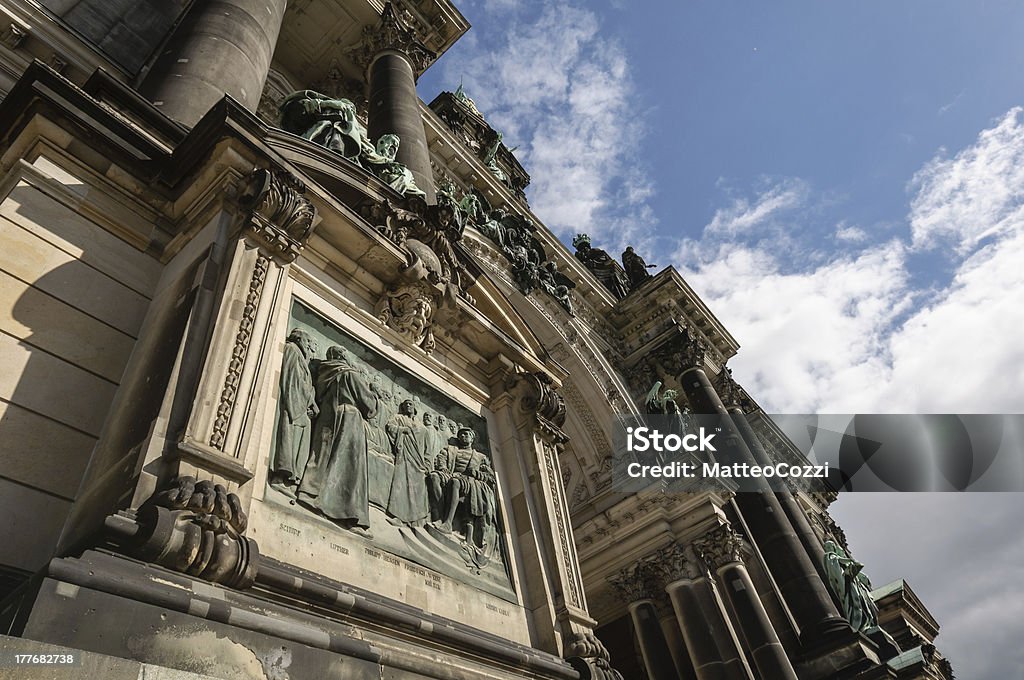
336,482
298,407
407,501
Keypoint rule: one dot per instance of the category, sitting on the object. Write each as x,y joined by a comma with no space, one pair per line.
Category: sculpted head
441,422
407,408
428,419
466,437
304,341
387,146
338,353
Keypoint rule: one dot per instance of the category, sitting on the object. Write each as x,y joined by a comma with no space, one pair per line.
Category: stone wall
72,299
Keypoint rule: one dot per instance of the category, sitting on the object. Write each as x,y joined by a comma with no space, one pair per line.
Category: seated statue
461,487
636,268
382,162
329,122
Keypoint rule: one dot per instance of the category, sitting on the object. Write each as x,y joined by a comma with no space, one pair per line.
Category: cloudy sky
843,183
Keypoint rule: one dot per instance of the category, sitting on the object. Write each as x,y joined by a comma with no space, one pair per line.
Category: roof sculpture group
432,234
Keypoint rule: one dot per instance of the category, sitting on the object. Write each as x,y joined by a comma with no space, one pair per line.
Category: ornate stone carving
587,654
731,393
228,393
409,309
636,583
392,32
719,547
431,237
281,219
541,398
197,528
676,563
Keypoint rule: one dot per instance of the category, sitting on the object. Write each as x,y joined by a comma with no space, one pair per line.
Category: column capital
392,32
636,583
676,563
281,219
731,393
720,546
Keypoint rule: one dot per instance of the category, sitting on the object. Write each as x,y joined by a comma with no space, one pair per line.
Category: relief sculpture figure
297,408
468,491
407,502
335,482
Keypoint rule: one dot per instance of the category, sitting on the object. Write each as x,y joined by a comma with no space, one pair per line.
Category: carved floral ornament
720,546
588,656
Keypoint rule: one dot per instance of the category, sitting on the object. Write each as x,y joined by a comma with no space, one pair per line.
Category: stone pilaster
393,57
221,47
638,588
798,578
537,413
722,550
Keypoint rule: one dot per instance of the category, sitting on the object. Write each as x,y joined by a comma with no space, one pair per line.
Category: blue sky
843,183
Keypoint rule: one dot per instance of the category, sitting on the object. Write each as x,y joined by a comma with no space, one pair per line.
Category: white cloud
744,215
850,233
852,332
558,88
974,196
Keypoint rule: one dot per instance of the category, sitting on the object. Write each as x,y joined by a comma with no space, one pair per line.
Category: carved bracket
281,219
541,398
588,656
196,528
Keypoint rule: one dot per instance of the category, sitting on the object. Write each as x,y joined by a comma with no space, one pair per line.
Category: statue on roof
382,162
602,266
490,160
326,121
460,94
636,268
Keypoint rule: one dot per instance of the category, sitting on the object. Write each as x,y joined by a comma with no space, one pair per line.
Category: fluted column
636,587
722,551
708,639
221,47
394,57
797,577
731,394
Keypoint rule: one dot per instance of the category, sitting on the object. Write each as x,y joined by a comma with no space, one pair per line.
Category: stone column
713,653
732,397
674,638
798,579
635,586
394,57
722,550
221,47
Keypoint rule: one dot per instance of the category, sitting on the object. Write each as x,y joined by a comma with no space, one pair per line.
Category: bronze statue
601,264
636,268
410,440
335,481
463,478
297,408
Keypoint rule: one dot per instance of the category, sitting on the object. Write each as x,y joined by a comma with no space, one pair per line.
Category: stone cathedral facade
293,384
